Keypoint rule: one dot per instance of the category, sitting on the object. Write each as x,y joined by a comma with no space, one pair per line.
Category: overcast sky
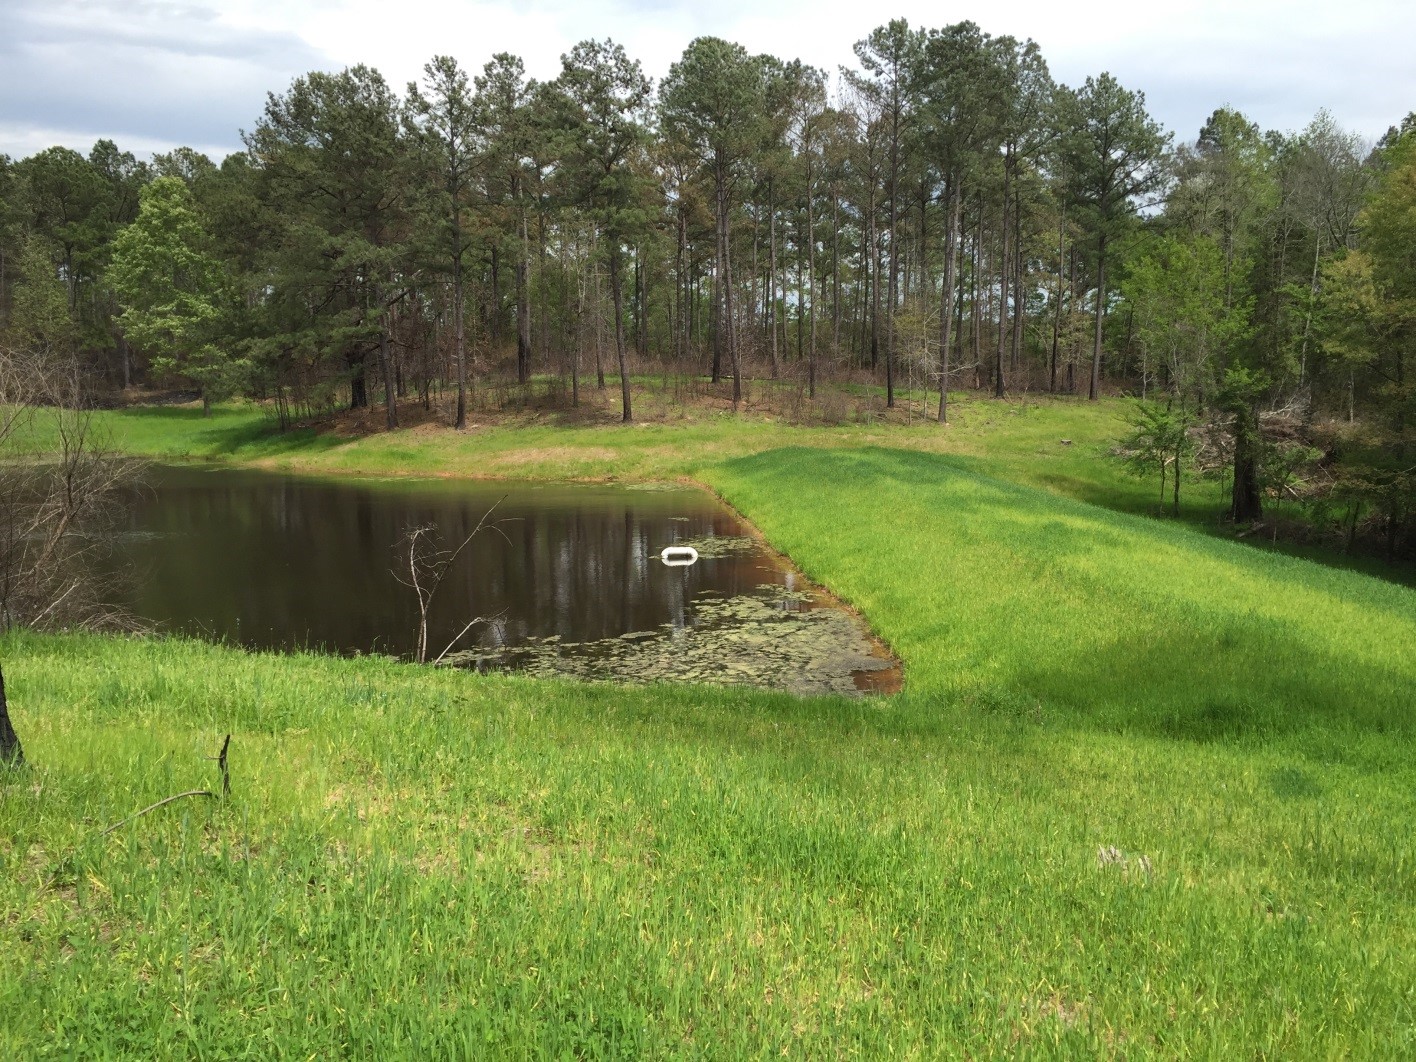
153,74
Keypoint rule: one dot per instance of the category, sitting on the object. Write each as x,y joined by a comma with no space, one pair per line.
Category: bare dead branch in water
470,624
423,567
61,497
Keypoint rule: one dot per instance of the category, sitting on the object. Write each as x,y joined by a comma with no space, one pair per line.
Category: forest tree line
945,214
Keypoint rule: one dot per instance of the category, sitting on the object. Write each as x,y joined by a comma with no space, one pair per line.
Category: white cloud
159,73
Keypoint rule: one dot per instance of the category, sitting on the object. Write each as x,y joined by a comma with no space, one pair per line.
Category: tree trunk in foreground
11,754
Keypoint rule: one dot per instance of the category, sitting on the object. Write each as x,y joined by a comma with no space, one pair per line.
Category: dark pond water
569,579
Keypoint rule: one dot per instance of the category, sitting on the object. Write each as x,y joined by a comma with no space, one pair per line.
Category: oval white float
679,556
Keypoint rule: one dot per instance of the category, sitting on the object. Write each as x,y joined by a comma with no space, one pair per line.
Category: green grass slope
1000,593
429,864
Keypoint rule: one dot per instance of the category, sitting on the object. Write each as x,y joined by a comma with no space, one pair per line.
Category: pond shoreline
213,498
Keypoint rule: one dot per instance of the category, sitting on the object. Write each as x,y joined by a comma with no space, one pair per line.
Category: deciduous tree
172,291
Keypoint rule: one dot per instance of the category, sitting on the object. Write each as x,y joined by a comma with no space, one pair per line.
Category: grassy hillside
1021,440
1146,792
1062,445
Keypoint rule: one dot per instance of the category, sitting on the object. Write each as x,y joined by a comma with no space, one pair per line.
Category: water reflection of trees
275,561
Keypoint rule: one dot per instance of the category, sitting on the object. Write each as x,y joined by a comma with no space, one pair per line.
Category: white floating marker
679,556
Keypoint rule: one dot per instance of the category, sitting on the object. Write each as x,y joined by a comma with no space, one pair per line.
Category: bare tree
60,500
422,565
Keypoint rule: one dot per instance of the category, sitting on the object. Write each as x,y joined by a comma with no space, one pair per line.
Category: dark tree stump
11,753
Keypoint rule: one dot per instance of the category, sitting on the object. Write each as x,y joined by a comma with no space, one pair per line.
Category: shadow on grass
1201,514
233,433
1014,602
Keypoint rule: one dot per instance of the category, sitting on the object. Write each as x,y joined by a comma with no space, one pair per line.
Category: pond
567,579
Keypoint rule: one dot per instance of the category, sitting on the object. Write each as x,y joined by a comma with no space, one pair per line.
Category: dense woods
945,215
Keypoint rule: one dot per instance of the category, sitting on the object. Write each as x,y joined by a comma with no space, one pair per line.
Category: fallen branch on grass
221,763
154,807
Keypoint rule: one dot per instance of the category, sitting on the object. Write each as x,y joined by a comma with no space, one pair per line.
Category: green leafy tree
1240,391
1114,153
125,177
600,102
1225,190
68,201
446,129
1178,293
171,288
1368,320
508,129
1159,442
336,171
40,320
713,104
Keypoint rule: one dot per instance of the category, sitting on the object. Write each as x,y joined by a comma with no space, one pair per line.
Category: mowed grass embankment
1018,440
428,863
1063,445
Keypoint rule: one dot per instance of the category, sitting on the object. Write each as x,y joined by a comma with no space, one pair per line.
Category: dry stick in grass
225,791
154,807
220,759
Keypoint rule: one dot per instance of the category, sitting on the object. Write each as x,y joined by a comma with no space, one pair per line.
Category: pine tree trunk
772,273
874,232
810,284
523,306
946,310
617,297
1072,300
494,316
1094,389
1020,308
390,388
835,272
641,330
894,261
727,335
599,335
356,362
683,290
975,306
719,268
12,754
1057,307
459,331
998,382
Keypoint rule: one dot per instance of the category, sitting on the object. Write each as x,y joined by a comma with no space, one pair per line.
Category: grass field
1146,793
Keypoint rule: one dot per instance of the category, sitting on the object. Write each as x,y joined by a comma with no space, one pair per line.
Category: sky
155,74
